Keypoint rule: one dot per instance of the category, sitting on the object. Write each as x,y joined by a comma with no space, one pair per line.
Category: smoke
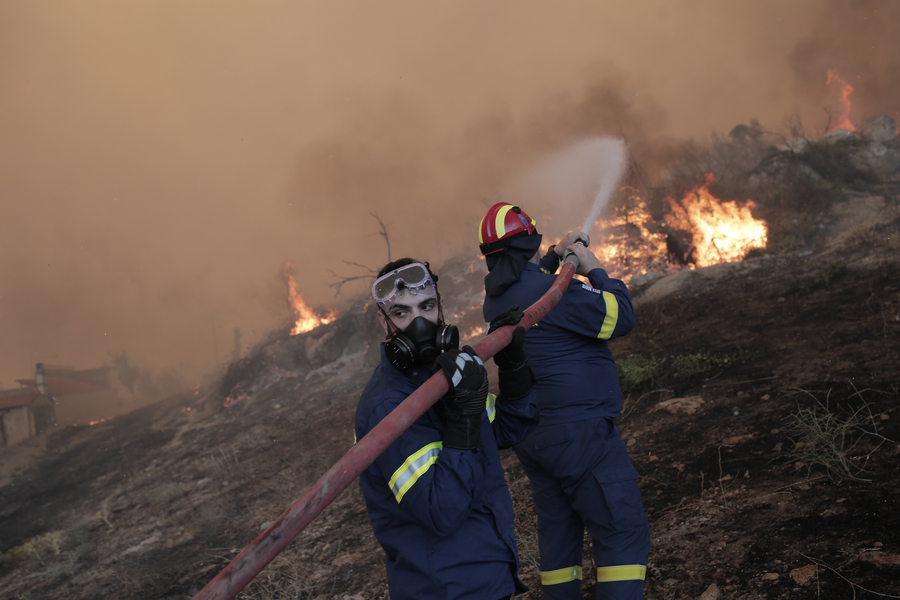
160,161
431,188
579,179
857,39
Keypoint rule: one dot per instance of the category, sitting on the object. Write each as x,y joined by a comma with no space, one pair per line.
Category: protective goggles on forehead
413,278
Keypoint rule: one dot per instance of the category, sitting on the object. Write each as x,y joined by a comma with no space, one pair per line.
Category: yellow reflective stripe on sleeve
490,406
560,575
410,471
621,573
612,316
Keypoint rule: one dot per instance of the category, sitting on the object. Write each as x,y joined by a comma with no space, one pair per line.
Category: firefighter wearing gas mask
436,497
581,475
412,314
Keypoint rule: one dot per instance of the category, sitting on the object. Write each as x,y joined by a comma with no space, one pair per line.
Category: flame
635,243
100,421
630,248
304,317
843,120
722,231
476,332
233,399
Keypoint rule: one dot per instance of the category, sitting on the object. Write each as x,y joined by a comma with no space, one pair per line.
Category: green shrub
825,279
690,366
637,372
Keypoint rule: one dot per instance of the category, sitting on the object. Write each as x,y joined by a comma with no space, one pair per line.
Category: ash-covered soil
760,410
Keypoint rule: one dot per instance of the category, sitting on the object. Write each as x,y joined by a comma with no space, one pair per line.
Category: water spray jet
612,167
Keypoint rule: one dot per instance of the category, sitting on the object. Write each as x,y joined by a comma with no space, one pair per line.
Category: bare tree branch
337,285
383,234
370,272
356,264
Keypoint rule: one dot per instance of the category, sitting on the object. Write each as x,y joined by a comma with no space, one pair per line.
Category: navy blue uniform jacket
443,516
576,375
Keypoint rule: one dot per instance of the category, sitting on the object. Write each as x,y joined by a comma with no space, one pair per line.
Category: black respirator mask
420,343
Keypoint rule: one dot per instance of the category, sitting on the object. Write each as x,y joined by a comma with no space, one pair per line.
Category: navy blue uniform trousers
581,477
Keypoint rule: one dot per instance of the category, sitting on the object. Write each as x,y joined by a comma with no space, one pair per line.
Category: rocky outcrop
872,153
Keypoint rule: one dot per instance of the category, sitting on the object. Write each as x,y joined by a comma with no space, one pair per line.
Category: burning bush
303,317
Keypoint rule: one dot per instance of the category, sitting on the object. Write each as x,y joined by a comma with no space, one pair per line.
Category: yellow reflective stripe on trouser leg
612,316
621,573
560,575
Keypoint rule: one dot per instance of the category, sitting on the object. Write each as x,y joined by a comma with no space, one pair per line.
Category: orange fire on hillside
631,245
699,230
722,231
843,120
305,319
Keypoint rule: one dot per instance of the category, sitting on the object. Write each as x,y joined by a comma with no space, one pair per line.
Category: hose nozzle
570,257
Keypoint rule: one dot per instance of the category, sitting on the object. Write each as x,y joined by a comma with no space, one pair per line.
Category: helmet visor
413,278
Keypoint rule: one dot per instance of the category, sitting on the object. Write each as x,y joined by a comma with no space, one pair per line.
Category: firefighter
437,497
580,473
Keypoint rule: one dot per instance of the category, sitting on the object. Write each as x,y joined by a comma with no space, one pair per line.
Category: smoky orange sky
160,160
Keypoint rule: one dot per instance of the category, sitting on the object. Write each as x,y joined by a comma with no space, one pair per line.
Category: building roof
13,398
100,375
61,387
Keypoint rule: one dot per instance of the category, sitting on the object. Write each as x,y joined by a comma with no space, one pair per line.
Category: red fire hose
273,540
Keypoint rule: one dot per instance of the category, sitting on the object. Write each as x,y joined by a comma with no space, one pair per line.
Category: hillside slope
761,412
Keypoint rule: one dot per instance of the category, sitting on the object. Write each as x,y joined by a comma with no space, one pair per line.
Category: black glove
466,399
515,377
512,316
513,371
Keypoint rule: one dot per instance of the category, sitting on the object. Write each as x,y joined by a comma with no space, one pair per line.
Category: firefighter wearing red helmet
581,475
501,224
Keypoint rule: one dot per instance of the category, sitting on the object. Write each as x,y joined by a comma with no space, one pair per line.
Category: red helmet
500,224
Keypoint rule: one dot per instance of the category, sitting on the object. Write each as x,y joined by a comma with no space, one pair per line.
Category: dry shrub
208,524
525,526
821,438
285,579
878,236
165,492
731,159
39,549
792,190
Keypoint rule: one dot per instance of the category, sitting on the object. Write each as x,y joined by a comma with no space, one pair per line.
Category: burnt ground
760,410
